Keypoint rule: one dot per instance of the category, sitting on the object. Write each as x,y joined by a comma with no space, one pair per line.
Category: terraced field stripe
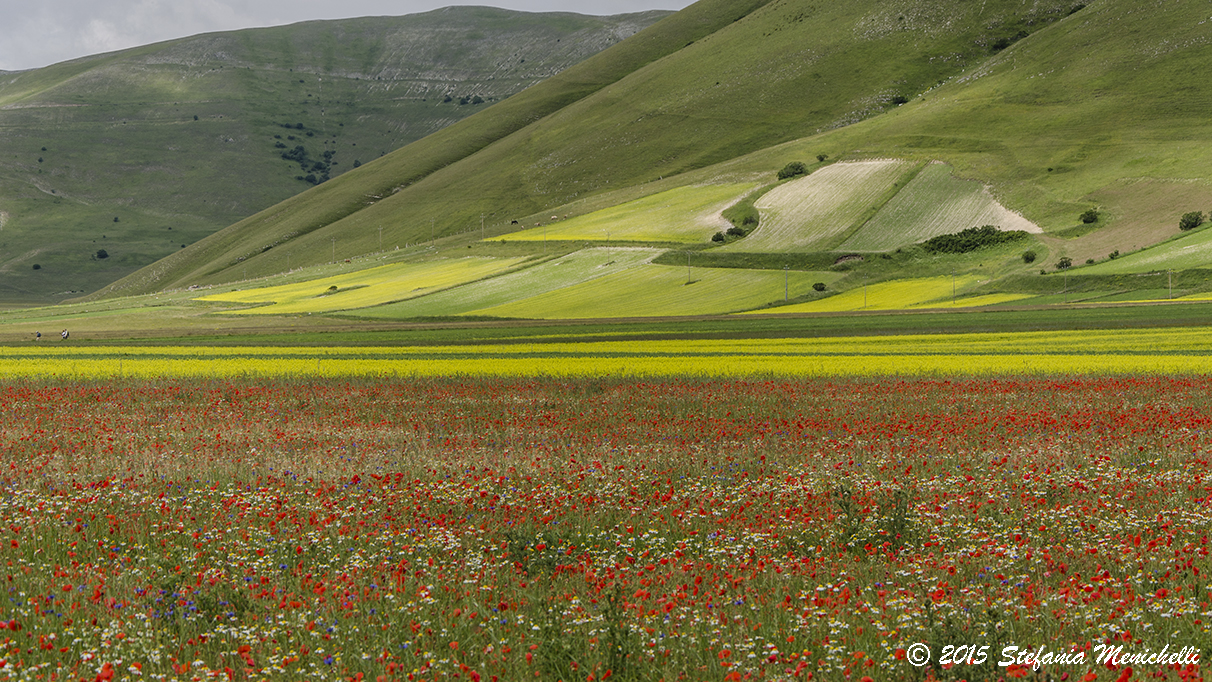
878,205
687,215
572,269
804,214
365,288
663,290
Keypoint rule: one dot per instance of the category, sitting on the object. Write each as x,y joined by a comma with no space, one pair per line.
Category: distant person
64,334
37,336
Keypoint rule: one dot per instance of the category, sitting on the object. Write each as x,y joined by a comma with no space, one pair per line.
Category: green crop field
1184,251
662,290
575,268
805,214
935,202
686,214
898,294
365,288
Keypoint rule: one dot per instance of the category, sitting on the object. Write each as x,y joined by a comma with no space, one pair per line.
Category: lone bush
819,286
735,231
1028,256
717,237
1064,263
102,253
1090,216
1191,220
793,169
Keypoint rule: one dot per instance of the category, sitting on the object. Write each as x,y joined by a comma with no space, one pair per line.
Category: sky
36,33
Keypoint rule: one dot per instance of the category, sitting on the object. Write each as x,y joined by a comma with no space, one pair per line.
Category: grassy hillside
1049,113
720,79
143,152
1106,108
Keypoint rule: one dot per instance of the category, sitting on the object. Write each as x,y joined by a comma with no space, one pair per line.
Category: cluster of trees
971,239
464,100
793,169
317,169
734,232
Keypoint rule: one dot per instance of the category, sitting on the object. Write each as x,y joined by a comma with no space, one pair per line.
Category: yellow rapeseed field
366,288
1164,351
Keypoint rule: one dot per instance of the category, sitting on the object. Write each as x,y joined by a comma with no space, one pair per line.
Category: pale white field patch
803,214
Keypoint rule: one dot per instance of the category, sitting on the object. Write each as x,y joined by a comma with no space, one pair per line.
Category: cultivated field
902,294
365,288
1183,251
933,203
680,529
575,268
559,353
806,214
664,290
687,215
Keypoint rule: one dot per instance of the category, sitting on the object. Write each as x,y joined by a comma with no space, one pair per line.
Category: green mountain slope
717,80
142,152
1106,109
1057,108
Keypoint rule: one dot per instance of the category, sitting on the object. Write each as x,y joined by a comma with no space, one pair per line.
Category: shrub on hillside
1064,263
717,237
1191,220
793,169
971,239
819,286
1028,256
1090,216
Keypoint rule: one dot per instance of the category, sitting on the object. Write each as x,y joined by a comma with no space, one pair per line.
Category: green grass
932,204
660,290
557,273
687,214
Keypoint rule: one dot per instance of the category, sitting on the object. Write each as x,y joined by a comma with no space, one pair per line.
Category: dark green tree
1191,220
793,169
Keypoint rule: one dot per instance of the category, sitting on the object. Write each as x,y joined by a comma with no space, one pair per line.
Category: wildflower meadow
593,528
